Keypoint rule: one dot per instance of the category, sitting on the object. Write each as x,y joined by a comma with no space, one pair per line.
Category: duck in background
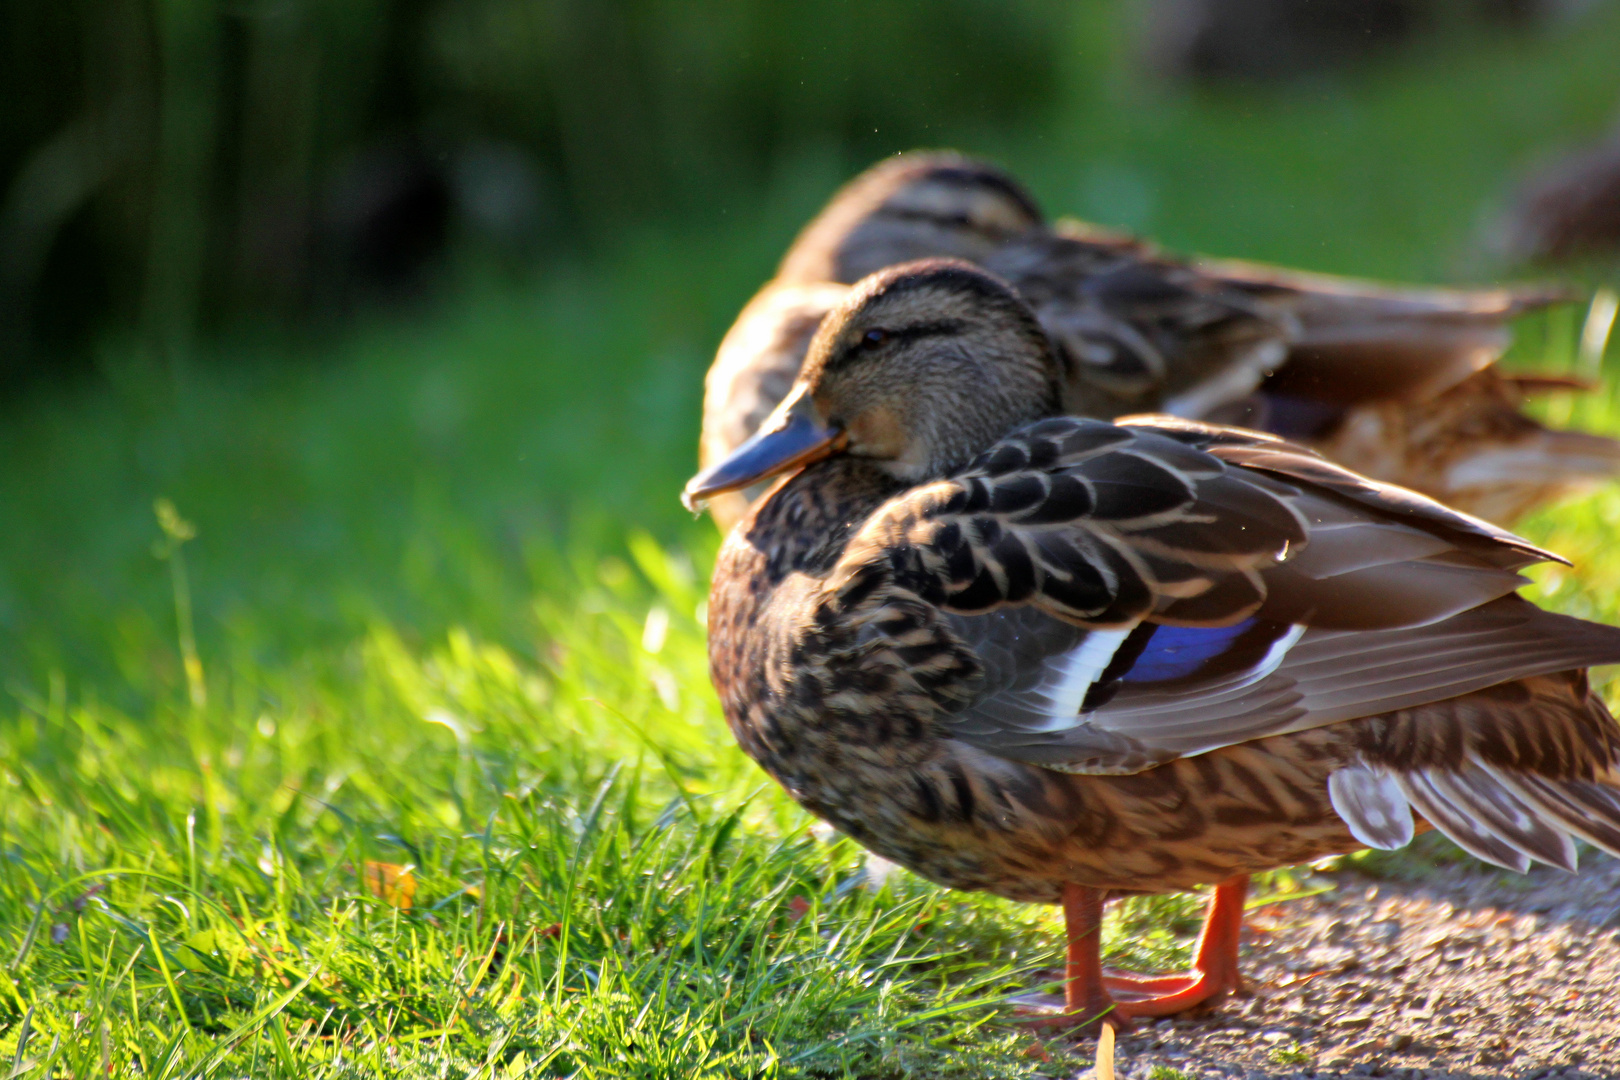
1398,383
1058,659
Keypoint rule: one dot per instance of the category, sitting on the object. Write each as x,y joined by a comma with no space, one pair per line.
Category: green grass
447,627
600,885
1165,1072
1290,1053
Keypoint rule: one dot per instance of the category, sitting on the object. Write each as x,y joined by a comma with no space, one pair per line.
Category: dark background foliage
170,167
174,164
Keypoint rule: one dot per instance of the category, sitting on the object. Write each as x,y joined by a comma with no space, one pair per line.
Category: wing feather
1048,550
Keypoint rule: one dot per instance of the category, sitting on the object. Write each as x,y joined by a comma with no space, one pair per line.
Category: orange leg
1089,992
1085,991
1214,972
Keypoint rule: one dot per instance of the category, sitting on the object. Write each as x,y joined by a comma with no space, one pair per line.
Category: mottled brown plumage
1392,382
1033,654
1472,446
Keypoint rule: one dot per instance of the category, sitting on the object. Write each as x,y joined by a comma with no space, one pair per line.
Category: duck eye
874,337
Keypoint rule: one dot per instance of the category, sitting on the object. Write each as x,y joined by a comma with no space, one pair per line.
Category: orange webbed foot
1214,972
1093,996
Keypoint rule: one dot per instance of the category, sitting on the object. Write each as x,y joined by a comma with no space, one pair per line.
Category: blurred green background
185,165
173,169
345,279
404,307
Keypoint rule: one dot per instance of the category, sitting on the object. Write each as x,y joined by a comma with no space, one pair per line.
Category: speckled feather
841,677
849,663
1387,381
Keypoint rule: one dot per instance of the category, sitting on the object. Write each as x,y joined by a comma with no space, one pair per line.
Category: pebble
1387,932
1419,984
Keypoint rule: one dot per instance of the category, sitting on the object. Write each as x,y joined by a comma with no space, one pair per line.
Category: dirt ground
1469,975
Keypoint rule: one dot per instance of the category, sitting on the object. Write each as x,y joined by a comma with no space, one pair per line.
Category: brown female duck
1392,382
1053,658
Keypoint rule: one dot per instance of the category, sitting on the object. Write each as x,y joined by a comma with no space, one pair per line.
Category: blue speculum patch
1176,652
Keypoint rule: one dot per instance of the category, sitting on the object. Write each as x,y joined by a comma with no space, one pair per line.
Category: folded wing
1132,594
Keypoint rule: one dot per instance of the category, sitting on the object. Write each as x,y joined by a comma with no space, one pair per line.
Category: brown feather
832,648
1472,447
1401,375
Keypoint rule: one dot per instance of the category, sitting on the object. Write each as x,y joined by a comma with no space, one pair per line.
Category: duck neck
804,524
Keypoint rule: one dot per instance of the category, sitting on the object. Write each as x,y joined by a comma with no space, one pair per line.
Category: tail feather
1587,810
1503,481
1360,341
1500,812
1512,775
1332,292
1471,447
1512,819
1471,836
1565,458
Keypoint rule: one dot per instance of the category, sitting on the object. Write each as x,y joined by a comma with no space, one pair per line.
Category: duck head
920,368
915,206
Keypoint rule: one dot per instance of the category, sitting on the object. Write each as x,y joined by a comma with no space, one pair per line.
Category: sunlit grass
401,860
398,861
448,648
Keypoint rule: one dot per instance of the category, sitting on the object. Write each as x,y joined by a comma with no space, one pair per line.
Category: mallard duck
1057,658
1393,382
1567,210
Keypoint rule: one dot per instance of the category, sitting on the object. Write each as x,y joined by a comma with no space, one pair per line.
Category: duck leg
1091,992
1214,971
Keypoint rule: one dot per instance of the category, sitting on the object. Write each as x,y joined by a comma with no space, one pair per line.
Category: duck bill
789,438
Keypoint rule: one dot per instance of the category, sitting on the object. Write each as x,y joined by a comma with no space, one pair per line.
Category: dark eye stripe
934,329
865,344
950,220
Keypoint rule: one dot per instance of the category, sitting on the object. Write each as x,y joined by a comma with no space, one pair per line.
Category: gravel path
1469,975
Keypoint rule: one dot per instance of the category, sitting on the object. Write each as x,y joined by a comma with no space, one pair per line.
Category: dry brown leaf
391,883
1105,1052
